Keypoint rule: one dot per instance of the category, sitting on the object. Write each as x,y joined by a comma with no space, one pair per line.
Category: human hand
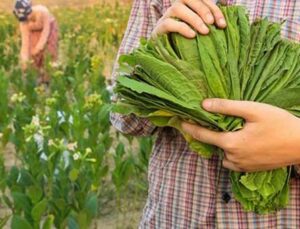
194,15
269,139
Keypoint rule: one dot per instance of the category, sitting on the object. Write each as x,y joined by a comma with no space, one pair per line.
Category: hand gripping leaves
167,78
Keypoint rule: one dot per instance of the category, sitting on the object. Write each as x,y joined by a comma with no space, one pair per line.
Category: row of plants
70,163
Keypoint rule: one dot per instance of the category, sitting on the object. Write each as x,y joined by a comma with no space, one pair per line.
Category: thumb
245,109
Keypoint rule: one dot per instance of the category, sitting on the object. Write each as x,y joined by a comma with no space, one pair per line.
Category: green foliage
61,133
18,222
123,168
167,78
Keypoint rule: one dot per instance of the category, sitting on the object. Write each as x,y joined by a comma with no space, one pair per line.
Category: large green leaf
285,98
233,50
39,209
21,201
19,222
141,87
91,205
169,77
48,223
186,49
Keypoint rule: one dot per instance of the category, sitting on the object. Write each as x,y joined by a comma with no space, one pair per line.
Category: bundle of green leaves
167,78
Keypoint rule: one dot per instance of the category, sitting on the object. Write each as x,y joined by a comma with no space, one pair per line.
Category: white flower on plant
39,139
72,146
76,156
71,119
35,129
58,144
51,142
88,150
18,97
35,120
56,171
61,116
55,64
30,130
66,158
92,160
40,90
14,98
44,156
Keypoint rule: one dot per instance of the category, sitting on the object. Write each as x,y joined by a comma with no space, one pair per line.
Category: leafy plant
60,134
166,79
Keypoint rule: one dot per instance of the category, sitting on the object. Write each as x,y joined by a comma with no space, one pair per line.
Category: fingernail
207,104
204,29
209,18
222,22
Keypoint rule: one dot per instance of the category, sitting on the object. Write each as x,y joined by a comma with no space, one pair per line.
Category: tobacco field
62,164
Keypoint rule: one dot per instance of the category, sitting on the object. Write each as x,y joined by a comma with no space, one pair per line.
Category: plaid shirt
186,190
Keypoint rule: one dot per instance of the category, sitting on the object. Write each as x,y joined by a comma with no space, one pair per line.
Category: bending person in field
39,32
185,189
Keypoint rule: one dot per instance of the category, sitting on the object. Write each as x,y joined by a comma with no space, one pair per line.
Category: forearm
43,41
25,45
24,54
44,35
41,44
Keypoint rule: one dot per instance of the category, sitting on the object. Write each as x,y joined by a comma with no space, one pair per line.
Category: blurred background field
62,165
8,4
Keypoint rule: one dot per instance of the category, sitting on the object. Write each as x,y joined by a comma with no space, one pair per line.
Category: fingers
249,168
248,110
210,137
233,162
171,25
219,19
231,165
208,11
196,14
186,14
201,9
205,135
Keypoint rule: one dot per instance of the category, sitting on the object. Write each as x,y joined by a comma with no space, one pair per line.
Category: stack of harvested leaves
167,78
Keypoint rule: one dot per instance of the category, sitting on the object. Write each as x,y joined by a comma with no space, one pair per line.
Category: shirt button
226,197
